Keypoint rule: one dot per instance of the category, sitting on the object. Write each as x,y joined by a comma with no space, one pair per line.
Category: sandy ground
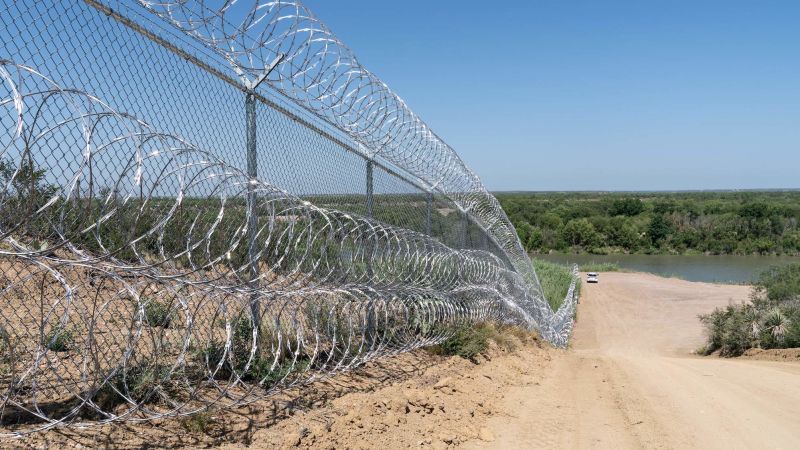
630,380
415,400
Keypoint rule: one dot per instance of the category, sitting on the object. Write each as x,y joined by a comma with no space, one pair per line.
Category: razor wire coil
143,275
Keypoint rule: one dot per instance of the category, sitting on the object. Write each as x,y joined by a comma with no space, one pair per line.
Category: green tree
755,210
663,207
530,236
620,232
628,206
659,229
580,232
27,183
549,221
535,239
523,230
23,190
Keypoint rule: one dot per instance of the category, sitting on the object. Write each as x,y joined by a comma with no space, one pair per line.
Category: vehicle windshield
592,274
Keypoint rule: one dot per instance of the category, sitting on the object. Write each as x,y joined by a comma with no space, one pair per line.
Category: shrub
777,285
210,356
158,313
59,339
728,331
262,369
467,342
771,320
329,320
775,329
198,422
269,365
141,383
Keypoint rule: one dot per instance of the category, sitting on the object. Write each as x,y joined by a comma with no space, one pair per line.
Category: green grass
59,339
469,341
199,422
599,267
555,280
158,313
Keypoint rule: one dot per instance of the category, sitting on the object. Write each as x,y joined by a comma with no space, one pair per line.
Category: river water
727,269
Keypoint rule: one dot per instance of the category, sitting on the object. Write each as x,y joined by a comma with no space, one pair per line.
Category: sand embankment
629,380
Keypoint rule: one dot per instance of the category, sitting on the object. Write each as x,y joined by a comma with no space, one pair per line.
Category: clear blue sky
595,95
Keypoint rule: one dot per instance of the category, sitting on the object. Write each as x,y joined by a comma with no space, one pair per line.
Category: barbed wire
144,277
310,66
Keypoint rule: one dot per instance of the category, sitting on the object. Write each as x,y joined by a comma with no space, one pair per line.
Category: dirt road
630,380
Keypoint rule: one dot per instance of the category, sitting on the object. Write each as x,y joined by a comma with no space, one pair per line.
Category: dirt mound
412,400
775,354
444,407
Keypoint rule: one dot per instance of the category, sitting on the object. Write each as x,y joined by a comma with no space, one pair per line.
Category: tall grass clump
770,320
555,280
158,313
467,342
272,362
470,341
600,267
59,338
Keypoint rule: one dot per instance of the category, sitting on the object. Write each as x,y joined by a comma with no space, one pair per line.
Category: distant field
736,223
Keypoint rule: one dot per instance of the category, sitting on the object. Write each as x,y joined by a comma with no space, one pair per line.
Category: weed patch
59,339
469,342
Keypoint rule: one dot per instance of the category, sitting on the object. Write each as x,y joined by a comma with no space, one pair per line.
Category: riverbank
719,223
708,269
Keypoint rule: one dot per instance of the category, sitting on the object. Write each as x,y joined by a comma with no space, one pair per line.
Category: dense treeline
688,222
146,226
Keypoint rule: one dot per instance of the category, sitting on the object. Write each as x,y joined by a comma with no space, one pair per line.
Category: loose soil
629,380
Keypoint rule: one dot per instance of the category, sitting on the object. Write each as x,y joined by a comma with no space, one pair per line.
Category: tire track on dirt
630,380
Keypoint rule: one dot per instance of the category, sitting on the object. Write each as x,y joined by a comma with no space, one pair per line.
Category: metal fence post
428,212
369,189
464,229
252,216
428,230
252,174
368,248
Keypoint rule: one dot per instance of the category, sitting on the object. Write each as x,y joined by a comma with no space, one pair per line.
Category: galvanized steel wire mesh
151,266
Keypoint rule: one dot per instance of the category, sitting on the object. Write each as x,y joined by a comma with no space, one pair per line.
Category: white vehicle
591,277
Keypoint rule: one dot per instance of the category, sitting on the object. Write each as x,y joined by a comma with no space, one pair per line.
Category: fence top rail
320,74
261,94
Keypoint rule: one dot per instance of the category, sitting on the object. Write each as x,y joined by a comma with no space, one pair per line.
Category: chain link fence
203,204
